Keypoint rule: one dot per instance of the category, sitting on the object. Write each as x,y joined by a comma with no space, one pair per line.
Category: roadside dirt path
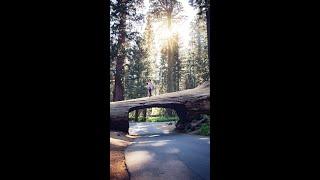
118,143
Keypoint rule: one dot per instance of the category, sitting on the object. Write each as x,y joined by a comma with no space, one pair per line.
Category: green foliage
162,119
201,5
196,65
136,77
205,129
161,8
153,115
156,119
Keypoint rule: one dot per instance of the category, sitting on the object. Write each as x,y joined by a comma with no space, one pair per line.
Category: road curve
169,157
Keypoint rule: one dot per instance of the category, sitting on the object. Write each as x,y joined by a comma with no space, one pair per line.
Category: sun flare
182,28
164,33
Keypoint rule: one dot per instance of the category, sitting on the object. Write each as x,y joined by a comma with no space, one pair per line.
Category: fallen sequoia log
187,104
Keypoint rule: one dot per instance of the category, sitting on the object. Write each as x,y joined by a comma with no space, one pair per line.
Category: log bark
187,104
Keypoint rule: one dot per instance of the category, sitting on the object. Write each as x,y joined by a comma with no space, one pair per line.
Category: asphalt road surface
143,128
169,156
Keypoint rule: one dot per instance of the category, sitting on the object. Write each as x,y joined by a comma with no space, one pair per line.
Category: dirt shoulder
118,143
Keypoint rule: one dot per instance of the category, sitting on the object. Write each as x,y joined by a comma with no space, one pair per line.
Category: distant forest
137,55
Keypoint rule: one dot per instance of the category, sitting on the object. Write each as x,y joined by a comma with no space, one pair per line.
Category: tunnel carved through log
186,103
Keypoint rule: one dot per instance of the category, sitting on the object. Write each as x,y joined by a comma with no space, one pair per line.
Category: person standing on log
149,87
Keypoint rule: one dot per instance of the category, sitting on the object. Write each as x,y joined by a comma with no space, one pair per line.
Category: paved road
168,156
143,128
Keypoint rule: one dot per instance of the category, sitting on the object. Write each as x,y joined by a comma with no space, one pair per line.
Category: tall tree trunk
177,67
198,43
199,67
170,62
208,13
174,78
136,115
118,93
170,59
145,114
178,78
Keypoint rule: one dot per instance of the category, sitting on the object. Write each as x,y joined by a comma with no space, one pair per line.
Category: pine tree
197,66
135,78
204,9
202,67
150,49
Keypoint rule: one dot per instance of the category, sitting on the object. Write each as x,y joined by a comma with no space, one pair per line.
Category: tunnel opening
152,120
153,115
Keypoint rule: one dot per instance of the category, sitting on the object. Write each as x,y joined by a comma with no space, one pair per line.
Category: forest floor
118,143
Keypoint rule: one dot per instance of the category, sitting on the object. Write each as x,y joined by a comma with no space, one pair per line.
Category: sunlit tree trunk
170,81
170,58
